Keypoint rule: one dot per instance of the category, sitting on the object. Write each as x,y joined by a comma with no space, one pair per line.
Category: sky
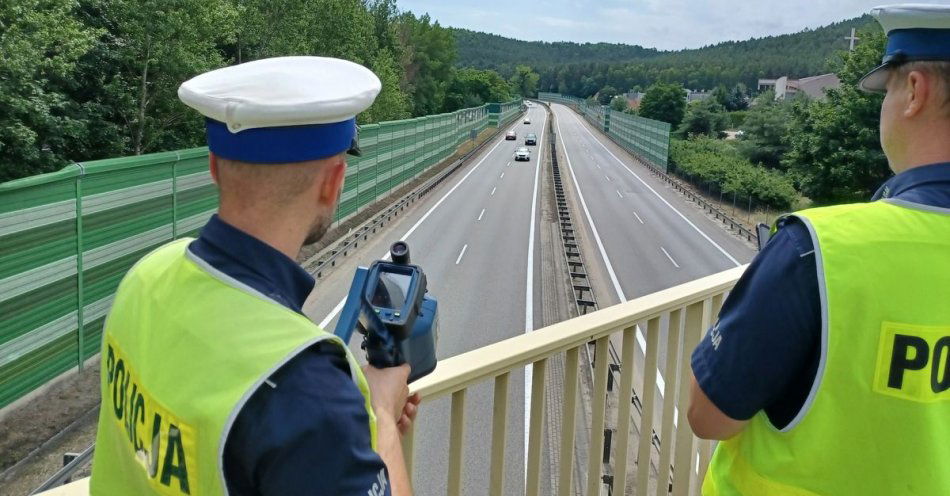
663,24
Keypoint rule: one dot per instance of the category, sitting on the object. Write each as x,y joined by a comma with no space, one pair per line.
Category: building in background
813,86
634,98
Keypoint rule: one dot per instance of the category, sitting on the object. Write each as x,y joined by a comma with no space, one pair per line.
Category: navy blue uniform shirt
305,431
770,324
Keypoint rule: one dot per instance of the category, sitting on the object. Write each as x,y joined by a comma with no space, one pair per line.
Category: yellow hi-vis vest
184,347
877,419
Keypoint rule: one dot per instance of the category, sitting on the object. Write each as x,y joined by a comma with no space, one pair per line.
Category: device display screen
391,290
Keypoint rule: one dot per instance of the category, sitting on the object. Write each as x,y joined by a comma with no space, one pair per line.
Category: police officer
214,382
828,371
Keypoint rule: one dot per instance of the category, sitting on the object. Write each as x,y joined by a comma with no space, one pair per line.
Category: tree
430,61
664,102
473,87
525,81
40,45
834,144
738,98
606,94
619,103
705,117
765,131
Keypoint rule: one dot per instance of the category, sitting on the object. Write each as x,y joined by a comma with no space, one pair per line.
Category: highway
472,237
475,236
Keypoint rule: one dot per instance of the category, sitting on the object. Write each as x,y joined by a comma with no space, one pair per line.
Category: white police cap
282,109
915,32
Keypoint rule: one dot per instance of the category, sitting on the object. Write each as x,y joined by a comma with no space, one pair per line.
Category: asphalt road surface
475,238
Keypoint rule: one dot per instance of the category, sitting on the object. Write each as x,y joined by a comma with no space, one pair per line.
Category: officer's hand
408,414
389,389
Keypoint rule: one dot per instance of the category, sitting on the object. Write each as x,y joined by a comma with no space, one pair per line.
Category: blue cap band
278,145
906,45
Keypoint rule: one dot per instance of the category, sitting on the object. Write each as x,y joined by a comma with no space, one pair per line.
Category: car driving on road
527,120
531,139
522,154
511,135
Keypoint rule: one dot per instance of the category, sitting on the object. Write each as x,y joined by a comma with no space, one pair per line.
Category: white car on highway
527,120
522,154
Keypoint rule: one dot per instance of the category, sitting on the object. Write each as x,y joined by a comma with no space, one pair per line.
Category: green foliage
737,118
473,87
619,103
431,56
580,69
606,94
40,44
705,117
710,160
664,102
765,129
524,81
834,144
89,79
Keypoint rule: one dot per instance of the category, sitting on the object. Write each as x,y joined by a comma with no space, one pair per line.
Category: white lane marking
607,178
619,194
509,164
502,176
493,191
671,258
641,341
529,300
461,254
598,165
480,215
701,233
339,306
638,217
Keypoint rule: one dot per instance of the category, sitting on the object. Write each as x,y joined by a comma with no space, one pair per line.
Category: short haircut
267,185
939,69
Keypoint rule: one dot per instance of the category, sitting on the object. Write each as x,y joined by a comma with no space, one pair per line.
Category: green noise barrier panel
646,138
68,237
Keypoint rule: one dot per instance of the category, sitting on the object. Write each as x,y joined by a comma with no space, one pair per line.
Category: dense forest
582,69
89,79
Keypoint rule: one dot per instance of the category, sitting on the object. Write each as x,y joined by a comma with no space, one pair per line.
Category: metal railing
675,318
686,311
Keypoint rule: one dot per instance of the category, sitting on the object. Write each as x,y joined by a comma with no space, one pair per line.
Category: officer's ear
919,86
213,166
332,177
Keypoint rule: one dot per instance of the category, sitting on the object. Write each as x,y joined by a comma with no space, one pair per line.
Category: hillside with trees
582,69
89,79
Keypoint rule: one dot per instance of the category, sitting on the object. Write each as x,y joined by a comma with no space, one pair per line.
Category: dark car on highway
531,139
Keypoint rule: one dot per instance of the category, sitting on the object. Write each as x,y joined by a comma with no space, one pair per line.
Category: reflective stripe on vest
184,347
877,418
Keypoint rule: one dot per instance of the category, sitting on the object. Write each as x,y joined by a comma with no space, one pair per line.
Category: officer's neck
282,233
925,146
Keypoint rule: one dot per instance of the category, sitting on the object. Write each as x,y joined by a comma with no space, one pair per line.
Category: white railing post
598,417
649,400
535,428
624,397
499,427
568,419
456,442
696,317
673,351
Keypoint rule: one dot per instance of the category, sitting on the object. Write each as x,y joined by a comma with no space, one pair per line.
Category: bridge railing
675,318
665,451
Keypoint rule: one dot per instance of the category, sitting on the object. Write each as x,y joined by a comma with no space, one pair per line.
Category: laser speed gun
389,306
